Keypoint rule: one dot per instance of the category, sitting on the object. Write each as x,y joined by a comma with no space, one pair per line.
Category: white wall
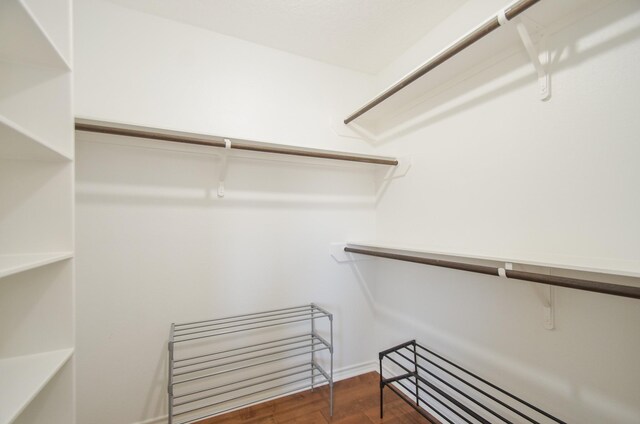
142,69
155,244
495,171
498,172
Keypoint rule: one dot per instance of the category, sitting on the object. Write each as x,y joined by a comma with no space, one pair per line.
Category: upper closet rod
214,141
484,29
554,280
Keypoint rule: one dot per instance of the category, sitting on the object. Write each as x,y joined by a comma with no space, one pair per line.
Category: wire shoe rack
224,364
444,392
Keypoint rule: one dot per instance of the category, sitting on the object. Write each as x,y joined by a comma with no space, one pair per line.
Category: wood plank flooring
356,401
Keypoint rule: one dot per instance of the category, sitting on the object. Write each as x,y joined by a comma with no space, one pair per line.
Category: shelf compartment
265,346
17,22
55,18
35,108
23,377
265,399
36,207
245,363
18,143
230,325
13,264
281,377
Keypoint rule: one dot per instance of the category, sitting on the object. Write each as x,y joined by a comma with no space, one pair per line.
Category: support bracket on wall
549,309
338,253
544,81
546,293
223,167
400,170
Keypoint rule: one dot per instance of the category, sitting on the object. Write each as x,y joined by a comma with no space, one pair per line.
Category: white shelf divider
29,41
22,378
13,264
18,143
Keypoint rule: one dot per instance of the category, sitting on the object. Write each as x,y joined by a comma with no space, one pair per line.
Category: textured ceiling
364,35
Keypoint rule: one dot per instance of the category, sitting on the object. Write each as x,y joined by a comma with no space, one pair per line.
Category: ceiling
363,35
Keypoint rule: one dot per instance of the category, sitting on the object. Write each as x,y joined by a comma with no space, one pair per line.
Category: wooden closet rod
215,141
484,29
572,283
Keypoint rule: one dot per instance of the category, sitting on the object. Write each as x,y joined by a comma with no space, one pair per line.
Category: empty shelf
19,143
13,264
23,377
575,263
623,290
33,45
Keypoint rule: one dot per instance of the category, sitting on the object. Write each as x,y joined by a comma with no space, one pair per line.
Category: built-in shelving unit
36,213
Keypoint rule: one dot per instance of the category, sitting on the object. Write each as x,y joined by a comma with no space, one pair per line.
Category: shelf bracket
544,81
338,253
223,167
549,308
340,256
545,292
400,170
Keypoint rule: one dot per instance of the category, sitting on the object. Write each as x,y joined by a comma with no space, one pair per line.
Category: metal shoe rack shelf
444,392
223,364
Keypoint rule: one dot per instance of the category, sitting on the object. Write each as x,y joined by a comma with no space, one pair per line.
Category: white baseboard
341,374
162,419
354,370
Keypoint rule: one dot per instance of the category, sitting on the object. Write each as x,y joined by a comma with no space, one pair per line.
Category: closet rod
572,283
215,141
484,29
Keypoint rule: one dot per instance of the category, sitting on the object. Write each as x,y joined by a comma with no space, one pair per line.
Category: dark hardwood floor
356,401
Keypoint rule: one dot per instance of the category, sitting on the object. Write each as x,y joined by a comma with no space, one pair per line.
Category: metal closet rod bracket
223,167
548,307
544,81
401,170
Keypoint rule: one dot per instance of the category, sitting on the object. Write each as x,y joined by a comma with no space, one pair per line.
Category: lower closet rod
553,280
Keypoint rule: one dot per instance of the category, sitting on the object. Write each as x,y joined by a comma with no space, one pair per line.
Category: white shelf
594,265
29,41
545,17
13,264
18,143
23,377
35,102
